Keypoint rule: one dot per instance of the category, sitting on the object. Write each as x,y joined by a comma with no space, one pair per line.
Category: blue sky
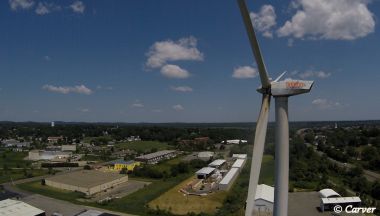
184,61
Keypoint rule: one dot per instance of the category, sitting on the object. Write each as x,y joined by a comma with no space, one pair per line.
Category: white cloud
323,103
313,73
182,88
138,105
264,20
329,19
47,58
245,72
21,4
79,89
163,51
178,107
44,8
174,71
84,110
78,7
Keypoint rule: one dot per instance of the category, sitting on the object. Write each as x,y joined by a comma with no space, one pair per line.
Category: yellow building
121,164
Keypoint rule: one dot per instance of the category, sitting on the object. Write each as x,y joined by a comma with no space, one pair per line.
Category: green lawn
15,174
135,203
13,159
143,146
267,171
36,187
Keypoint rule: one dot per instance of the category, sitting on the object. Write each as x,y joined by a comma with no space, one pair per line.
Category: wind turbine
280,90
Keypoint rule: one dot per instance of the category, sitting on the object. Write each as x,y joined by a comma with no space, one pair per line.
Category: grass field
13,159
143,145
15,174
267,170
36,187
134,203
177,203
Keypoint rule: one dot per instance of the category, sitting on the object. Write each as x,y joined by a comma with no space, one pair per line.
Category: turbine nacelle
287,87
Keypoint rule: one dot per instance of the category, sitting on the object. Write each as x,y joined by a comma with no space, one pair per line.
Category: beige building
88,182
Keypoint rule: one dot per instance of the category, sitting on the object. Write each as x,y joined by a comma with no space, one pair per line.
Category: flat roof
238,163
217,162
229,176
205,171
11,207
265,192
86,178
337,200
155,154
240,156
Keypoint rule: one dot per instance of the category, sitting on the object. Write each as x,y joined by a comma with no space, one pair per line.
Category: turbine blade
254,44
279,77
258,151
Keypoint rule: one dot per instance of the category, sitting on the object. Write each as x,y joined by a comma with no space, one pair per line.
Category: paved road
369,175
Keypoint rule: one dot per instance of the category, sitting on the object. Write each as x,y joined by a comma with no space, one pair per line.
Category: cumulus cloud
245,72
174,71
182,88
21,4
178,107
79,89
78,7
329,19
44,8
163,51
264,20
323,103
313,73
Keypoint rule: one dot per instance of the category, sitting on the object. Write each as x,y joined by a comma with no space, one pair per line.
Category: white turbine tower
280,90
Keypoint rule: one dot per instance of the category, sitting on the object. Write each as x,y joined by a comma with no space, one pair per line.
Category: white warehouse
264,198
228,179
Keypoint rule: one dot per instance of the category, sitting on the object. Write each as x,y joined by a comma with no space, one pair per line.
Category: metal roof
205,171
240,156
326,193
265,192
238,163
205,154
217,162
11,207
155,154
229,176
120,161
337,200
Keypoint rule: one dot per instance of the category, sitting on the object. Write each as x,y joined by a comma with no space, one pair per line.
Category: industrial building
329,203
36,155
11,207
330,198
264,198
239,163
234,142
88,182
122,164
217,163
155,157
239,156
68,148
205,172
328,193
206,155
228,179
